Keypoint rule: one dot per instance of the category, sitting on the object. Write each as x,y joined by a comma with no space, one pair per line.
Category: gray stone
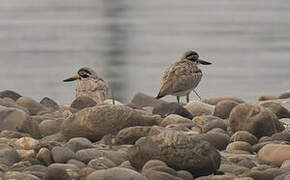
62,154
71,169
224,108
244,136
8,155
49,104
32,106
77,163
44,156
143,100
101,163
78,143
49,127
82,102
276,108
56,174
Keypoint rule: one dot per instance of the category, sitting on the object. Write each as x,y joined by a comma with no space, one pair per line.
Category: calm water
130,43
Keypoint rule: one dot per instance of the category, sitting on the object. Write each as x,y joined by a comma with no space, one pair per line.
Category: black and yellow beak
203,62
72,78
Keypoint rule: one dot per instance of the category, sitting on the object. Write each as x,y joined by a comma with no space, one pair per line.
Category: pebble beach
221,138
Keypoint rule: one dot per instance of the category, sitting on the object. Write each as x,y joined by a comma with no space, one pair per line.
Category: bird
182,77
90,84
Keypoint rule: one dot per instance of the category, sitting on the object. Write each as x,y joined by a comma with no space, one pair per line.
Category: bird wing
180,76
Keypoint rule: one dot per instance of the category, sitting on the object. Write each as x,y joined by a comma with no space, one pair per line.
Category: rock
174,119
44,156
153,163
178,151
131,134
285,122
32,106
218,140
282,136
95,122
49,127
199,108
116,173
36,170
251,117
19,176
214,101
143,100
71,169
26,153
279,110
111,101
265,97
127,164
82,102
78,143
224,108
13,134
203,120
239,146
77,163
85,172
268,174
159,175
184,175
218,123
11,94
62,154
49,104
274,154
27,143
86,155
285,95
8,155
9,104
244,136
166,109
56,174
101,163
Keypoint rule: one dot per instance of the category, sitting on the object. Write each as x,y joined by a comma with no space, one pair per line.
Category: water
130,43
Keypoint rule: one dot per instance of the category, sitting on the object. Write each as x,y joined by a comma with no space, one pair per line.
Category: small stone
11,94
26,153
218,140
199,108
71,169
101,163
8,155
174,119
27,143
62,154
166,109
214,101
13,134
265,97
19,176
143,100
56,174
218,123
285,95
49,127
274,154
31,105
244,136
277,109
79,143
185,175
49,104
44,156
77,163
82,102
224,108
239,146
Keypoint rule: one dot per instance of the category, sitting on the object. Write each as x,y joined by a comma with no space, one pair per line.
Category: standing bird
89,84
182,77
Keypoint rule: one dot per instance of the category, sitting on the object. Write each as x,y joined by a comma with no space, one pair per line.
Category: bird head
82,73
194,57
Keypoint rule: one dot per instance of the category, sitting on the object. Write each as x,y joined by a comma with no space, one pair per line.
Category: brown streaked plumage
182,77
89,84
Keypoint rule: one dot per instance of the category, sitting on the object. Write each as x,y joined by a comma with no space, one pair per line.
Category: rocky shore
222,138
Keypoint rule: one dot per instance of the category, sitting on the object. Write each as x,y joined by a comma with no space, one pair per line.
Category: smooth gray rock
62,154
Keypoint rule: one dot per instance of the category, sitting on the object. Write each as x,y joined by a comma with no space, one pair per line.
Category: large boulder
254,118
178,150
274,154
95,122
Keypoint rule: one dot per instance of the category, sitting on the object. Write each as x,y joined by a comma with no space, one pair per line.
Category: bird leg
197,94
177,98
187,98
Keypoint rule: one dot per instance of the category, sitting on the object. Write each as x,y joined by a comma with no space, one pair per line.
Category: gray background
131,42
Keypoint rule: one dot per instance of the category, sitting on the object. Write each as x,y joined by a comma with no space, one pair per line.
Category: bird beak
72,78
203,62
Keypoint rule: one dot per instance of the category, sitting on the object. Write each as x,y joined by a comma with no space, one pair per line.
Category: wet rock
82,102
174,119
101,163
78,143
199,108
131,134
214,101
56,174
143,100
274,154
224,108
11,94
62,154
27,143
19,176
279,110
239,146
166,109
95,122
71,169
244,136
256,119
49,104
49,127
285,95
265,97
32,106
8,155
44,156
178,151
